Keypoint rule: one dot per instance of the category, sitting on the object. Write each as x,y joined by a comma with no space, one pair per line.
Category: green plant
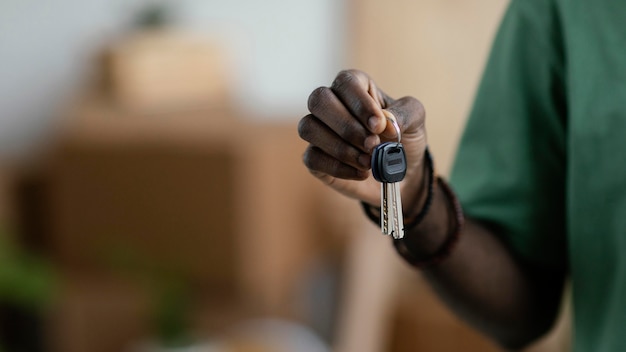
26,280
168,289
27,286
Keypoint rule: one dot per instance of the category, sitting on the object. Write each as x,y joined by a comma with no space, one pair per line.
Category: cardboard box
163,70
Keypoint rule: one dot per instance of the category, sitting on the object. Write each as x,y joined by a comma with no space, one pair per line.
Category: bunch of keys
389,168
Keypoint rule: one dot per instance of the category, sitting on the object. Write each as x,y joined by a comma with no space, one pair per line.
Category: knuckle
416,106
414,111
344,78
346,155
419,107
351,134
352,85
318,99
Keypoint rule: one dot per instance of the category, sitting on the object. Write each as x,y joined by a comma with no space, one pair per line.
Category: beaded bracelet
447,247
453,237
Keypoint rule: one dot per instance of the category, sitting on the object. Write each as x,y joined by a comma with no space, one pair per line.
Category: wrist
433,229
418,205
433,240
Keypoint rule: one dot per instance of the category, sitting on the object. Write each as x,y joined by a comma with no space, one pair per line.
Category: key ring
394,122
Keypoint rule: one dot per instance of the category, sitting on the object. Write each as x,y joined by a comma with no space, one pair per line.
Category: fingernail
373,123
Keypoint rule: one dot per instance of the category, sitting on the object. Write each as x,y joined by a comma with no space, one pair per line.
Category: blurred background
152,195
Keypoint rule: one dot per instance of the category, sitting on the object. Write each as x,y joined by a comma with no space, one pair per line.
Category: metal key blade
391,223
384,210
398,217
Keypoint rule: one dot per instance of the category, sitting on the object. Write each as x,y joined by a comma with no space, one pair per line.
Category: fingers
326,106
345,123
321,164
361,98
318,134
410,115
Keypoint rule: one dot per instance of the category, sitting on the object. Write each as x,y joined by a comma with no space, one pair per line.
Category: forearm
482,281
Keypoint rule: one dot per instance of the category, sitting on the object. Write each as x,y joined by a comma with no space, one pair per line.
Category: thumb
409,114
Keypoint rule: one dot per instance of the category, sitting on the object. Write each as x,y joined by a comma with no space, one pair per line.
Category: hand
347,122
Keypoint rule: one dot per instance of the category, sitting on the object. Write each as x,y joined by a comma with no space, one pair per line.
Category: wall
431,49
280,50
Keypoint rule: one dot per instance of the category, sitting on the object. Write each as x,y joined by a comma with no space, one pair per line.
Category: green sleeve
510,167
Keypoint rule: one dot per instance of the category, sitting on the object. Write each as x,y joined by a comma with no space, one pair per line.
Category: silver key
385,209
398,218
389,168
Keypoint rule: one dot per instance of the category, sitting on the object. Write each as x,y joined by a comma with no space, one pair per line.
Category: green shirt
543,156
